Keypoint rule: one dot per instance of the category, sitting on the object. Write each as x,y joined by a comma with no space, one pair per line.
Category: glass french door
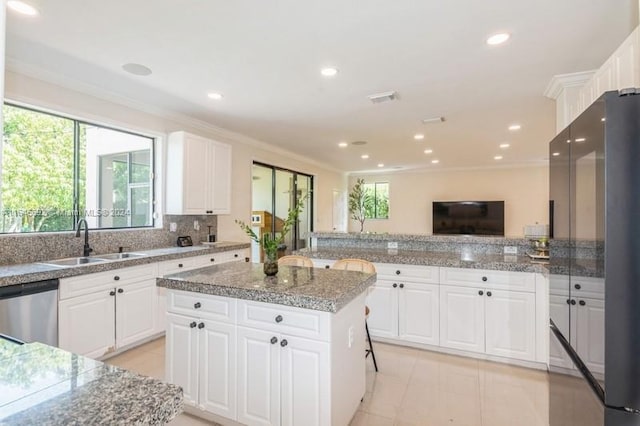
274,192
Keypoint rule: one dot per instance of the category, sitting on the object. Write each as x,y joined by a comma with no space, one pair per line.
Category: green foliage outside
368,201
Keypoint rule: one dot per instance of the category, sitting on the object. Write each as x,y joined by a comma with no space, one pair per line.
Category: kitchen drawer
205,306
426,274
322,263
559,285
177,265
232,256
284,319
90,283
486,279
587,287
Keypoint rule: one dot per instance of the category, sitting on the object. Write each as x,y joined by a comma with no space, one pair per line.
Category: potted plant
270,243
359,202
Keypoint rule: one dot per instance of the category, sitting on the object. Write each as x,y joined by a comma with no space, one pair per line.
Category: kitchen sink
120,256
74,261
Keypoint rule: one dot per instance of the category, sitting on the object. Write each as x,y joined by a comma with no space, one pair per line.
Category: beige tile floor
416,387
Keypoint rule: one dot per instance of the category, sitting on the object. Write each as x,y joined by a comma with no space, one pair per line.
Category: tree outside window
378,207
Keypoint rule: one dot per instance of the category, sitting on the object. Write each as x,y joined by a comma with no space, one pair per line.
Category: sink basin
120,256
74,261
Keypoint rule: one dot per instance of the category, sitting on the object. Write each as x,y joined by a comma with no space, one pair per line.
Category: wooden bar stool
361,266
294,260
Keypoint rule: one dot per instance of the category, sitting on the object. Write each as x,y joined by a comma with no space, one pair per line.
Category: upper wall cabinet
198,175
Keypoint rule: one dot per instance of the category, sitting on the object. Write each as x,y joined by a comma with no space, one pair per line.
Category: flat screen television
468,218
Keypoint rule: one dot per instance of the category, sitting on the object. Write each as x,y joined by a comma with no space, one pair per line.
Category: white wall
524,191
24,89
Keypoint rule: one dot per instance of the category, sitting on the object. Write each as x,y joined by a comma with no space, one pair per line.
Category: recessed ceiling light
418,136
380,164
498,39
364,156
498,157
428,151
515,127
555,154
21,7
603,119
581,139
137,69
435,161
504,145
215,95
329,71
568,140
343,144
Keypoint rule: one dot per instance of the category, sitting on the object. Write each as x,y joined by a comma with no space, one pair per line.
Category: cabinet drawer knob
582,303
401,285
246,259
395,285
179,265
482,292
201,325
120,291
197,305
573,301
489,293
578,286
326,266
235,255
279,318
398,272
212,259
209,211
116,278
112,293
568,301
274,340
193,324
484,279
284,343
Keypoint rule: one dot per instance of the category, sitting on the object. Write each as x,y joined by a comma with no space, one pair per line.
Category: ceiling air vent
383,97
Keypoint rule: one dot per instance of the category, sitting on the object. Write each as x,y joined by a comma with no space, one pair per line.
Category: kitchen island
257,350
44,385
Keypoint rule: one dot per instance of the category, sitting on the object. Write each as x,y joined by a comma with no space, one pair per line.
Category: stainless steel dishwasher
29,312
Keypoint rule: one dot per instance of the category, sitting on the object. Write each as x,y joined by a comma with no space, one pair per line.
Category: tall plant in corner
360,201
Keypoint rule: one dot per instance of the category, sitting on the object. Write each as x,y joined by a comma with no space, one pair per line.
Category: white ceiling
265,57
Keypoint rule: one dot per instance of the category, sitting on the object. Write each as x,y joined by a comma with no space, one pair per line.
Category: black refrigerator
594,271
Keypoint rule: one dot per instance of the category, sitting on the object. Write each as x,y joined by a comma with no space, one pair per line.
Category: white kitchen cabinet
102,312
510,329
462,318
590,333
201,353
87,324
198,175
382,300
420,308
559,312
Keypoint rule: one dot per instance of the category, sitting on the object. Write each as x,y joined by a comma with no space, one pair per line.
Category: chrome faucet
86,251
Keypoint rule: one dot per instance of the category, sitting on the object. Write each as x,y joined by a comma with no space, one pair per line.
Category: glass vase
270,263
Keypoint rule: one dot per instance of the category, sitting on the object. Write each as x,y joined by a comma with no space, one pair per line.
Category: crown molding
57,79
421,170
562,81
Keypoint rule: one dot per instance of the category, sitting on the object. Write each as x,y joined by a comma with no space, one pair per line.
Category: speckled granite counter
308,288
43,385
28,272
429,258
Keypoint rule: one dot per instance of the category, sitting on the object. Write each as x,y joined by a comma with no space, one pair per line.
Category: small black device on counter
211,238
185,241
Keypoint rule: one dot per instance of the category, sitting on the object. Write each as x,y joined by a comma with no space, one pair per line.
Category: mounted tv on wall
468,218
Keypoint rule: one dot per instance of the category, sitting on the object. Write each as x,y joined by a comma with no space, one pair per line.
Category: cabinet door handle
582,303
482,292
274,340
394,285
193,324
209,211
398,272
179,265
279,318
235,255
489,293
577,286
120,291
573,301
401,285
201,325
197,305
116,278
112,293
484,279
568,301
326,266
284,343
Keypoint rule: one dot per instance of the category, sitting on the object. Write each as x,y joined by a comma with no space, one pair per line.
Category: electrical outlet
510,250
196,225
173,227
351,336
392,245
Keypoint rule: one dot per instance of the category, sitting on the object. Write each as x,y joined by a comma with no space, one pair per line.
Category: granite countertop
43,385
431,258
28,272
309,288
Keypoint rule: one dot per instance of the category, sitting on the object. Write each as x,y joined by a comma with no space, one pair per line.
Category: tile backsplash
36,247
